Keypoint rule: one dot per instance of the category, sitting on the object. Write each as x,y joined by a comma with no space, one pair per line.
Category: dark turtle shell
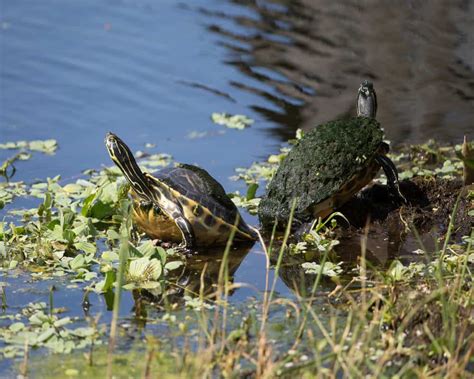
197,187
320,166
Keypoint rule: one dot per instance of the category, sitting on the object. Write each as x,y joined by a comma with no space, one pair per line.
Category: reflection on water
307,57
202,276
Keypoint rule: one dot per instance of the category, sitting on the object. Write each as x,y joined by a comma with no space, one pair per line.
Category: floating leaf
242,202
110,256
147,249
141,271
196,303
330,269
231,121
16,327
86,247
173,265
79,261
45,146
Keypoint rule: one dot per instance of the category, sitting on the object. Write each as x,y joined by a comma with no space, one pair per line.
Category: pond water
154,72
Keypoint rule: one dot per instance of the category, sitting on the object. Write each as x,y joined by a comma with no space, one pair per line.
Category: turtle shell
204,201
331,162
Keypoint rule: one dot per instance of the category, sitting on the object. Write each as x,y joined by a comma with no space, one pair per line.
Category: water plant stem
123,255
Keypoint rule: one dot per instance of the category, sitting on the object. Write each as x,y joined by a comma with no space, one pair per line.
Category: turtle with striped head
182,204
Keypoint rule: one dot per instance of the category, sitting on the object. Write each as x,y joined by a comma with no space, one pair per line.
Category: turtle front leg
189,240
392,176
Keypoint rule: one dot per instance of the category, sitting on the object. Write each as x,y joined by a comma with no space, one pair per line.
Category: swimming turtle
330,164
180,204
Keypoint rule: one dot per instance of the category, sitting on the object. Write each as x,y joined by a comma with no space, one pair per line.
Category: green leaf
144,269
147,249
231,121
162,254
112,234
330,269
109,193
397,270
90,275
173,265
110,256
78,262
46,335
69,236
101,210
150,285
44,146
251,191
86,247
87,204
16,327
62,322
109,280
56,234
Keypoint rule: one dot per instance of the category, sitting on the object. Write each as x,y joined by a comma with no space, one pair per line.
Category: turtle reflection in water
329,165
198,277
183,204
200,274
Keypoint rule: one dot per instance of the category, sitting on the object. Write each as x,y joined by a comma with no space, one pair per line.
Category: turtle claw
396,194
191,253
181,248
186,251
402,199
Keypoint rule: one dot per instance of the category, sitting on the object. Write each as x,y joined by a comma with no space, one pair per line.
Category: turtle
182,204
329,165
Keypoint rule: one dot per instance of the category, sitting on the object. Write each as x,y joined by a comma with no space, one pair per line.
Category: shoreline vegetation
359,318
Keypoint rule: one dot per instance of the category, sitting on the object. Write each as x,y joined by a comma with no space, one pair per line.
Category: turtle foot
397,195
185,250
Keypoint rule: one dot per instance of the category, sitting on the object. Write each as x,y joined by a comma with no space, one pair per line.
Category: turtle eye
109,142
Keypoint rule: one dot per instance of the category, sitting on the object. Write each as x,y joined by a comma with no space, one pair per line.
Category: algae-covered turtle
329,165
180,204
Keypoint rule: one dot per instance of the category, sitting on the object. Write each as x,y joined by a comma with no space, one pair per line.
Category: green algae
318,166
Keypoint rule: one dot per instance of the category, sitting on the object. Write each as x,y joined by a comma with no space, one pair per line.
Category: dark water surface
154,71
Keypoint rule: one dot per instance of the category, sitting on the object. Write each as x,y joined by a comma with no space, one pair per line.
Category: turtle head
118,150
122,156
366,100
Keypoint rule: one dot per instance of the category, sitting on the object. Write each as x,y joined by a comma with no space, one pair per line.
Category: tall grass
374,326
377,332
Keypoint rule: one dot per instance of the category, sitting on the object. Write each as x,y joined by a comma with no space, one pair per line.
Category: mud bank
431,203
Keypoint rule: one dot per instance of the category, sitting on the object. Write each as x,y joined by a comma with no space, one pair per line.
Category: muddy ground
394,231
431,202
